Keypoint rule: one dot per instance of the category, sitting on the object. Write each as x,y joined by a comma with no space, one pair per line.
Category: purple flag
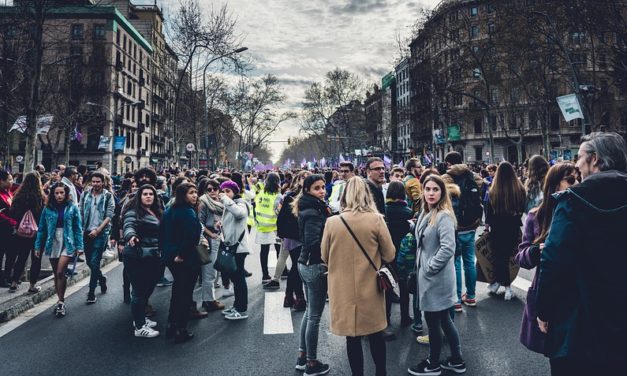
387,161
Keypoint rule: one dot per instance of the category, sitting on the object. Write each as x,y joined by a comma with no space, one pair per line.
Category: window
578,37
474,11
478,153
99,31
491,27
478,126
578,58
555,121
117,37
531,2
493,122
491,8
602,61
533,119
76,51
494,95
474,31
457,100
77,31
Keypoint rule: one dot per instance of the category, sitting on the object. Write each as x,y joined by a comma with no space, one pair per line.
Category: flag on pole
323,162
303,163
342,158
569,104
401,164
44,122
387,161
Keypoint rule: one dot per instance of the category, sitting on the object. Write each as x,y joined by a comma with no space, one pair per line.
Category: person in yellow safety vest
347,171
266,209
249,196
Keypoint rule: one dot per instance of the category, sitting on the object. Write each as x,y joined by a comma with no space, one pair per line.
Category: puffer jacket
312,215
146,229
72,229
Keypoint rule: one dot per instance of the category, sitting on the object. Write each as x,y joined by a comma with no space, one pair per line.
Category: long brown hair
136,203
30,195
544,212
507,194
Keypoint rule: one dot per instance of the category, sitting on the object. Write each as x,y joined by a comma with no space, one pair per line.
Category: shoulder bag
203,251
225,262
386,280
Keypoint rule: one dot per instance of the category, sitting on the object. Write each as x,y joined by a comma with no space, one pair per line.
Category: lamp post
204,89
112,160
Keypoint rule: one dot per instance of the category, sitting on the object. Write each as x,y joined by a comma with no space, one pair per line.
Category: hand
543,325
221,195
38,254
93,233
178,259
541,246
133,241
487,227
112,243
80,252
218,225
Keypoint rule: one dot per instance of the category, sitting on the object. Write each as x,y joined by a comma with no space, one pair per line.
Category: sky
300,40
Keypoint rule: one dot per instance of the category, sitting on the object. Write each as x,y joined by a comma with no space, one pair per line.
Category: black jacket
377,194
312,215
146,229
179,234
287,222
582,290
397,215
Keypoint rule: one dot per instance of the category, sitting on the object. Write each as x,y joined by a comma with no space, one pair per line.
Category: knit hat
230,184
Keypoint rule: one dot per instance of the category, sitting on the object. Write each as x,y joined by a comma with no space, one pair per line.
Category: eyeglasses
570,179
377,169
211,189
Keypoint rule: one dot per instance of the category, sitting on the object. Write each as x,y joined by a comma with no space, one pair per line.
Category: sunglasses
570,179
211,189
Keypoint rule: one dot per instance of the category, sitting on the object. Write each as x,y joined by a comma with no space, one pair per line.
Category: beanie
230,185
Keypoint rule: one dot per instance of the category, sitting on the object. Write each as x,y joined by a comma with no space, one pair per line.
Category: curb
25,301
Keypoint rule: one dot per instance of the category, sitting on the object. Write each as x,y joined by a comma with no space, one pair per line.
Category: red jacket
7,224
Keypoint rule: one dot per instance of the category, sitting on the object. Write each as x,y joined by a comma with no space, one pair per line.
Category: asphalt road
98,340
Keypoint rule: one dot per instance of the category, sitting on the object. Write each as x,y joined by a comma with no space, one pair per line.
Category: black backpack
468,208
287,223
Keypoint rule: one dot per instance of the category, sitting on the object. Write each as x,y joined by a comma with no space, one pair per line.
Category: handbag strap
358,243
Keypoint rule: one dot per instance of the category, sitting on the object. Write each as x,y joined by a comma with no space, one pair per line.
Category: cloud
299,41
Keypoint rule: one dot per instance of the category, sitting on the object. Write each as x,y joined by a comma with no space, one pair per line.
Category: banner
454,132
569,104
118,143
104,143
44,122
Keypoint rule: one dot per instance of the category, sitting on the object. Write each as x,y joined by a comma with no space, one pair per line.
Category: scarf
215,207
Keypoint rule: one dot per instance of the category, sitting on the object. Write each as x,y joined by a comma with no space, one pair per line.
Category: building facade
404,144
485,76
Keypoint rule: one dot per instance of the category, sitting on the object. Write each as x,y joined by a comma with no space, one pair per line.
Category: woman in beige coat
357,305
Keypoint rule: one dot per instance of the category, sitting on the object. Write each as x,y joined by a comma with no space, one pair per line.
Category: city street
98,339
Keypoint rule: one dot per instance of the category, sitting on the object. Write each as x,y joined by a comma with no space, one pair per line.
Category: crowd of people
344,231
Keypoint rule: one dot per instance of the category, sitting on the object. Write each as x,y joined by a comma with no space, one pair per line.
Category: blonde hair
357,197
444,205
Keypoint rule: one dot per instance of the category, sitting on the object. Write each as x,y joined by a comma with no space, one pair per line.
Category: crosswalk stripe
276,318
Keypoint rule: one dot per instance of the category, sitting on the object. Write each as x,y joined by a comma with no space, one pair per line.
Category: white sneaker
494,287
108,254
228,311
149,323
146,332
236,315
227,293
508,293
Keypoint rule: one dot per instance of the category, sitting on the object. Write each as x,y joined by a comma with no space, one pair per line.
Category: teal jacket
72,229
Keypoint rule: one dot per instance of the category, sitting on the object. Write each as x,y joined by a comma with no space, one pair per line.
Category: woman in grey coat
435,234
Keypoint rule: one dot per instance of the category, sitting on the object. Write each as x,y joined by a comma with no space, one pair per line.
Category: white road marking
46,305
276,318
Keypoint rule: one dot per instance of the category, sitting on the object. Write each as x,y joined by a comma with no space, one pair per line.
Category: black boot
183,335
103,284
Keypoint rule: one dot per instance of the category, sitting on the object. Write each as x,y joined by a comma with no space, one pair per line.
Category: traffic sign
128,160
19,159
190,147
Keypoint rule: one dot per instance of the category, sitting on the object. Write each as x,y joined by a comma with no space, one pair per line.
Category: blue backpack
406,256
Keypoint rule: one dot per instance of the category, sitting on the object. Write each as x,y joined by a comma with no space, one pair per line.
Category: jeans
315,282
356,355
93,255
466,246
182,292
294,283
209,274
438,322
143,275
240,288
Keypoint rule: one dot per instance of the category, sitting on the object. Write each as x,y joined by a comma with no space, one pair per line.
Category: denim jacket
72,229
106,209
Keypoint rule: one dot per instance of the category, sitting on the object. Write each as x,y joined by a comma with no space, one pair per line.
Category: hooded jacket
582,291
455,172
312,215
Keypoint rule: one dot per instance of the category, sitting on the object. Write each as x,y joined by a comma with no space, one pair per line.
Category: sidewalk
13,304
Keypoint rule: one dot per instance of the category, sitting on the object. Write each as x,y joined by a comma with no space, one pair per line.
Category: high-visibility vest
336,194
265,216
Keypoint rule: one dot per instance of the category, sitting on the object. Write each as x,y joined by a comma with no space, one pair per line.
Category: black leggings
265,251
438,322
294,283
356,355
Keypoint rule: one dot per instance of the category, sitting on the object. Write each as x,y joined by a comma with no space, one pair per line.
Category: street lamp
113,113
204,87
